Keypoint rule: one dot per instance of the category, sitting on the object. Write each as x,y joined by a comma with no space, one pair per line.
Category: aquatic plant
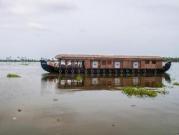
78,78
24,64
159,85
138,91
13,75
176,83
143,92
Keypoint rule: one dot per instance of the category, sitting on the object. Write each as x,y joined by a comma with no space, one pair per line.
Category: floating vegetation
78,78
176,83
25,64
13,75
142,92
159,85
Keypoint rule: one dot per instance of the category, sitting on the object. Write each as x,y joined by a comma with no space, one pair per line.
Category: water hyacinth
138,91
79,78
176,83
13,75
24,64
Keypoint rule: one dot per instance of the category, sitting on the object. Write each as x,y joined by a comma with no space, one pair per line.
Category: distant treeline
18,59
176,59
28,60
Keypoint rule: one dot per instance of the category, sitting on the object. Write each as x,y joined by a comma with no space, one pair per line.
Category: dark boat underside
69,70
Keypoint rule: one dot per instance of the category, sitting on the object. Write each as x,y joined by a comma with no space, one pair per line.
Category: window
136,65
153,62
103,62
109,62
95,64
147,62
117,64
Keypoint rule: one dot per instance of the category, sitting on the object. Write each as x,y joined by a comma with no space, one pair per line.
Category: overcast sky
44,28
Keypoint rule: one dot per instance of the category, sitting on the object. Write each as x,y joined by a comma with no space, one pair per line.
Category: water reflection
104,82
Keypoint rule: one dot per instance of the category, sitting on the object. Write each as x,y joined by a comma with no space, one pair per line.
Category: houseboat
104,64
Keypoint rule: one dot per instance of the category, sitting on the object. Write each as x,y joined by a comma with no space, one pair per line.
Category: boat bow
167,66
47,67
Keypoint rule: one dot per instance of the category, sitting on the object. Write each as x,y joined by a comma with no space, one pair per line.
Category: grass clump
13,75
78,78
24,64
137,91
176,83
159,85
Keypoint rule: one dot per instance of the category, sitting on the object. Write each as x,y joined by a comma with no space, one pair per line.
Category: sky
45,28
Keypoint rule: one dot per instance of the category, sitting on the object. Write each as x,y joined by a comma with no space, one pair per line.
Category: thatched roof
82,57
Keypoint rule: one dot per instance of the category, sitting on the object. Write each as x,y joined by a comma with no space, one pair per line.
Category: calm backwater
48,104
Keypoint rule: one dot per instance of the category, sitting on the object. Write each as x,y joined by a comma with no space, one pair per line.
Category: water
46,104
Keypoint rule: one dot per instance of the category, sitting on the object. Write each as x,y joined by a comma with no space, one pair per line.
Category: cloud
36,26
25,7
29,13
90,26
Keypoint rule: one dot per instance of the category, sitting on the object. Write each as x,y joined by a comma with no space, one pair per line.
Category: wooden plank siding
150,65
124,64
108,61
87,64
127,64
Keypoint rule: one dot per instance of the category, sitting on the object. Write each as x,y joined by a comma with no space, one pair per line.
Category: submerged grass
138,91
24,64
159,85
13,75
78,78
176,83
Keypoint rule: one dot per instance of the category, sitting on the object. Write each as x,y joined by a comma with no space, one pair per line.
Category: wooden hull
69,70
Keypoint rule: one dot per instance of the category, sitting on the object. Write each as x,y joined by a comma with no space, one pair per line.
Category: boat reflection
104,82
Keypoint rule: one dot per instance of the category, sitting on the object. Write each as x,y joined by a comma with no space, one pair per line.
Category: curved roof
86,56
